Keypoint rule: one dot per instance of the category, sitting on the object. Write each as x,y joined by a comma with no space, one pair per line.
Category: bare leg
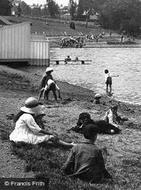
110,85
106,88
53,89
59,94
40,94
57,141
46,94
67,145
54,94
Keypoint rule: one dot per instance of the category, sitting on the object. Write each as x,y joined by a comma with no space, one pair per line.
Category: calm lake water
125,62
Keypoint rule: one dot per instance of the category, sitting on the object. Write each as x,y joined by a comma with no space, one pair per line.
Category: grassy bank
55,27
123,160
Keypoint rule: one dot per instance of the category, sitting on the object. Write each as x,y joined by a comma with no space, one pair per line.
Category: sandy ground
123,149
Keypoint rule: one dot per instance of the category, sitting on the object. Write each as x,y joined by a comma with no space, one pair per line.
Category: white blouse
27,130
106,76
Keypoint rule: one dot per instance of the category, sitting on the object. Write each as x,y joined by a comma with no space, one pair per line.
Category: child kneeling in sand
28,131
48,84
85,160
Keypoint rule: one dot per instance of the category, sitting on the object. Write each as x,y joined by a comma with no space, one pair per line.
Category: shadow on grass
46,160
15,64
39,158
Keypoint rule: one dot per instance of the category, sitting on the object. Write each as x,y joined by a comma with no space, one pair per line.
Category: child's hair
90,131
114,107
82,117
106,71
18,115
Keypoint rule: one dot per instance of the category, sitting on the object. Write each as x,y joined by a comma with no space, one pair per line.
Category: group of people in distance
86,160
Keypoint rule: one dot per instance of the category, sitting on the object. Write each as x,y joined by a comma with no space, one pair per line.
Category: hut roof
4,21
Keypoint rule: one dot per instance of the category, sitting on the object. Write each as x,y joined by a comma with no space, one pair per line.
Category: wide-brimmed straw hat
32,106
49,69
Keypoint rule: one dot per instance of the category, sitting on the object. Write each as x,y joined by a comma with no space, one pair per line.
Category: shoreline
66,86
20,80
22,77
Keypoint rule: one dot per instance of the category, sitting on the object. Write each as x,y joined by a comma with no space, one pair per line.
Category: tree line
51,8
122,15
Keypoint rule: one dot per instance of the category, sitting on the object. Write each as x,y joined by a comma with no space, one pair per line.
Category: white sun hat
32,106
49,69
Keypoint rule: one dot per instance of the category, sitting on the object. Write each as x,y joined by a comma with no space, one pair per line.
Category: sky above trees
59,2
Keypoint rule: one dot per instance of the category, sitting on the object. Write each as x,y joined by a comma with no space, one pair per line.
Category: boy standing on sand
108,80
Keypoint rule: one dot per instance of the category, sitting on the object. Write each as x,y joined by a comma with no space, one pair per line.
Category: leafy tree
5,7
73,8
36,10
121,14
53,8
85,9
97,4
25,9
19,10
85,6
45,11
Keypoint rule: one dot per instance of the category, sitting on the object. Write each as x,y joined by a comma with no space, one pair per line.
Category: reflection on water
126,62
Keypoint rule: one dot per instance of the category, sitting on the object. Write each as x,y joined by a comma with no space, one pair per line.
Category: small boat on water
74,62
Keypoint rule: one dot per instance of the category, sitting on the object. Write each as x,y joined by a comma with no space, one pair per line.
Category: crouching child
48,84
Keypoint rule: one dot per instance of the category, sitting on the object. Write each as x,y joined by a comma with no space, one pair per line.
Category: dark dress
86,162
103,127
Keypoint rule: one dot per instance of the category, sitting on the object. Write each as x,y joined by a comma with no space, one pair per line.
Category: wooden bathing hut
17,46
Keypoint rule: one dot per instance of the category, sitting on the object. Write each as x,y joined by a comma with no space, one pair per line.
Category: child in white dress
27,130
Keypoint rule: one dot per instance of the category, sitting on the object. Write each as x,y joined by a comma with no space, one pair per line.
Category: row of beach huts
17,44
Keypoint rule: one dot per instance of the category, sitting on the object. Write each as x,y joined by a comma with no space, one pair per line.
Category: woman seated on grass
26,128
104,127
85,160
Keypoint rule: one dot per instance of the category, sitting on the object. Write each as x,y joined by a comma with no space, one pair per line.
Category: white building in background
17,45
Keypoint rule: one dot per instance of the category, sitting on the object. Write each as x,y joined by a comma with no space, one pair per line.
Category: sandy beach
124,152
